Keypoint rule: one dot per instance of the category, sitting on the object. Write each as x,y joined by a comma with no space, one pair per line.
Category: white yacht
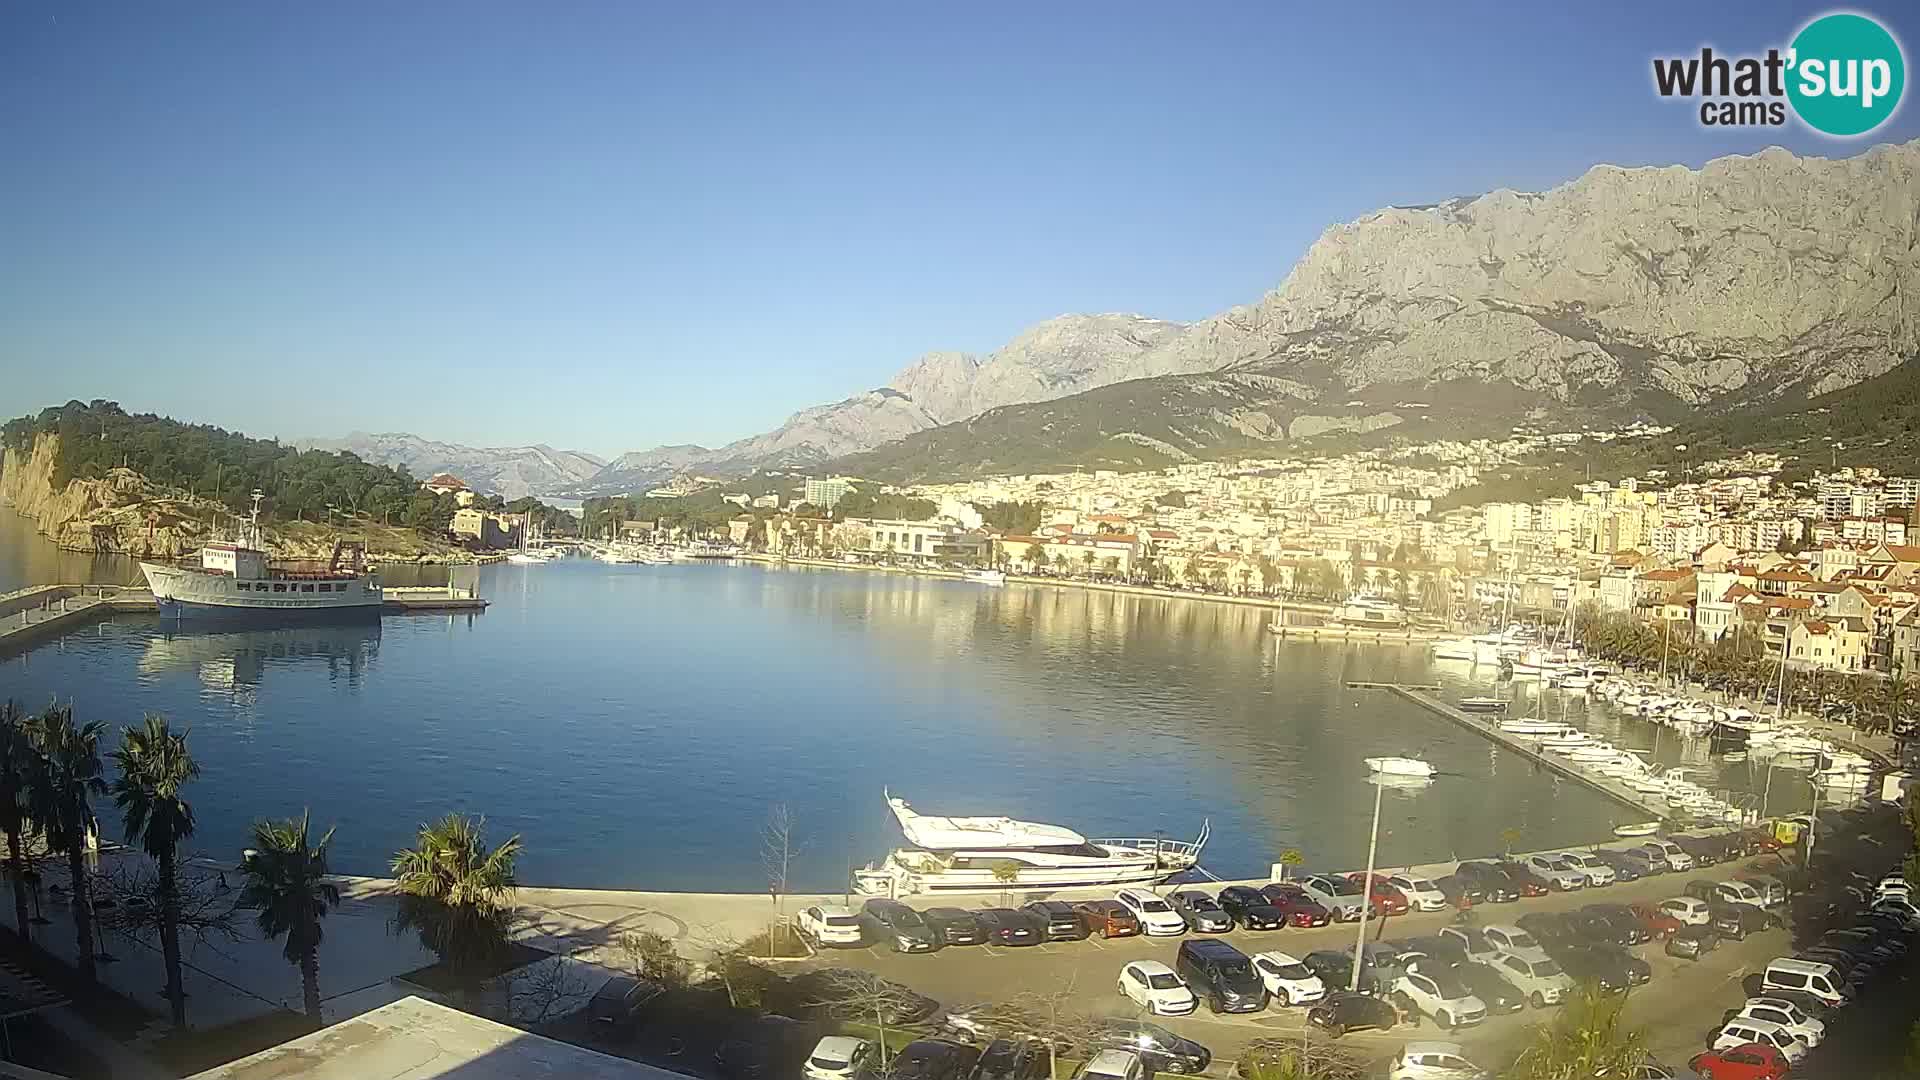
1399,766
1372,613
966,854
236,578
986,577
1454,649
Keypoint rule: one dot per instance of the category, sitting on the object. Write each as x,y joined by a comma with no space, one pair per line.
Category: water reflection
236,661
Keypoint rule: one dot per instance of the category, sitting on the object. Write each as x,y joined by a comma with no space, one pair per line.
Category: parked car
810,995
1631,864
1556,871
1011,1059
1495,885
1736,921
1525,881
620,1000
1808,1029
1471,941
1155,916
1667,851
1108,918
1421,893
1689,911
1005,926
837,1057
1490,985
1614,970
1112,1065
765,1048
1434,948
934,1059
1600,928
1154,987
1725,892
1660,923
1540,977
1750,1062
1623,918
1342,1012
1597,872
1220,974
1433,1061
1288,981
1162,1050
829,924
1692,942
1296,908
1058,920
1461,892
1905,910
1512,939
1772,890
1335,969
1202,912
1340,897
1705,850
1551,928
896,924
955,926
1251,909
1742,1032
1440,996
1386,900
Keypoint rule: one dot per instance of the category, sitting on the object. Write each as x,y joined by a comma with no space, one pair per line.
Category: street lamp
1366,882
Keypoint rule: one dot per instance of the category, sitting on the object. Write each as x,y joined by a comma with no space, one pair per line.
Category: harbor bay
635,724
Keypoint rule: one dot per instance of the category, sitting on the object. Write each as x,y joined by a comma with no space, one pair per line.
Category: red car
1298,908
1753,1061
1387,900
1658,923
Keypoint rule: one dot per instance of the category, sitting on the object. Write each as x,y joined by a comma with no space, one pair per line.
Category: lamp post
1366,886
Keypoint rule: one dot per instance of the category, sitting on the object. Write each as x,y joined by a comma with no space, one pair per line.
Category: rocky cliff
122,513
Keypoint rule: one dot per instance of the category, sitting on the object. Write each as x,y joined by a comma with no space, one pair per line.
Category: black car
1494,883
1625,867
1162,1050
1335,968
1599,928
1202,912
1249,907
934,1059
1062,922
1459,891
1736,921
1342,1011
766,1047
1692,942
1629,927
1550,928
1013,1059
1471,941
1614,969
620,999
1005,926
1487,984
898,925
955,926
1441,950
1221,975
1706,851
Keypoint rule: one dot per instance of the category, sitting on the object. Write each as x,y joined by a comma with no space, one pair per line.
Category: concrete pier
1646,805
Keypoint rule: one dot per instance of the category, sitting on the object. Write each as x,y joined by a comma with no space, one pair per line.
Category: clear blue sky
611,225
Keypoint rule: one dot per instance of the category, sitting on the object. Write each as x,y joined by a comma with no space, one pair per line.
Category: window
278,587
306,588
242,586
324,587
1791,979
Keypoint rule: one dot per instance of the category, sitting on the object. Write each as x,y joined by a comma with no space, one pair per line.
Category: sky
606,226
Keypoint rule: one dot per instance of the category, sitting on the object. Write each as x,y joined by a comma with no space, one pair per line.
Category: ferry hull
184,611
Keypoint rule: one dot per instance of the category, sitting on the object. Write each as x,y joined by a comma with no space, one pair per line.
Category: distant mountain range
510,471
1624,293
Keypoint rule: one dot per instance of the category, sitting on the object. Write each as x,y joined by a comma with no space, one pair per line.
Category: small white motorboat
1644,828
1482,704
1400,766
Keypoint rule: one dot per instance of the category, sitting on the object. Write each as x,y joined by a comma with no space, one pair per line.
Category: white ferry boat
965,854
235,578
986,577
1371,612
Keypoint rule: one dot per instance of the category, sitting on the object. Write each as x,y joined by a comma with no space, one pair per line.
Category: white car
1113,1065
836,1057
1156,916
1514,940
1289,981
1434,1061
1339,896
1735,891
1537,976
1438,995
829,924
1472,942
1421,893
1807,1029
1906,909
1691,911
1555,871
1154,987
1741,1032
1669,852
1597,872
1893,887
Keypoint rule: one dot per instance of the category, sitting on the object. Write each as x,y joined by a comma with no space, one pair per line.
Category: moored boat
1481,704
236,578
1399,766
1644,828
986,577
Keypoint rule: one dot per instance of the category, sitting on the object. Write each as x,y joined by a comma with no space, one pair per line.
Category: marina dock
1647,806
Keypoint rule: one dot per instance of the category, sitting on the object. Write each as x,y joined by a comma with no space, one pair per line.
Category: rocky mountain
1061,356
1627,291
509,471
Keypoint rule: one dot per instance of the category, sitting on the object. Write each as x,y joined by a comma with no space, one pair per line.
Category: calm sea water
636,723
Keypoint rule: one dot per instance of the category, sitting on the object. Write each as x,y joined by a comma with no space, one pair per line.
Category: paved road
1682,1001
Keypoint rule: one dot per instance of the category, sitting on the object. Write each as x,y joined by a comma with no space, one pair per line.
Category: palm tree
154,766
286,882
64,777
456,894
16,754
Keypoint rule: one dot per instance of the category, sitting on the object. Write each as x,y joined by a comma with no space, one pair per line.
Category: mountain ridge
508,471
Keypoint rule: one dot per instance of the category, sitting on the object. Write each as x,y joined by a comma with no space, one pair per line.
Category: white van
1823,981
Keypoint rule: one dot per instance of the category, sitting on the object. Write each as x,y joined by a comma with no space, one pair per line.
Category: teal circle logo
1847,74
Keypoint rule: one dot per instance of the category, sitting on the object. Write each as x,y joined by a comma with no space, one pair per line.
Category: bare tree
1298,1058
651,956
128,893
779,846
553,988
1051,1015
730,962
862,996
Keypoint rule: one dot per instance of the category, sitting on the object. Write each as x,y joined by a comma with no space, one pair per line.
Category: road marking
1095,942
